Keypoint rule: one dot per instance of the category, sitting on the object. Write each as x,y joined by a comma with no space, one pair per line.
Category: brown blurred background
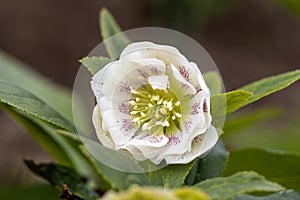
248,40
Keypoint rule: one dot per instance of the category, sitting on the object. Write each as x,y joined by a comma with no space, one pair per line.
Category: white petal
135,152
197,109
97,82
105,82
158,82
199,80
165,53
201,145
117,81
121,131
150,47
179,85
150,146
102,135
148,62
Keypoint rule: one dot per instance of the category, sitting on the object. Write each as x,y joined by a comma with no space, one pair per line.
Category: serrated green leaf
269,85
278,166
25,101
18,73
115,179
45,139
210,166
95,63
223,104
58,175
60,148
283,195
222,188
213,82
109,178
171,176
109,27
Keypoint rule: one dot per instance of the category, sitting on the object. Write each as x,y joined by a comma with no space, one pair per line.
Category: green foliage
32,192
269,85
240,121
25,101
94,64
58,175
109,178
109,27
210,166
213,82
278,166
171,176
36,115
283,195
223,104
19,74
114,179
233,186
48,108
257,134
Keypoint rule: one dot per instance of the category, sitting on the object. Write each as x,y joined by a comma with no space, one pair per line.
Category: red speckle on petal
154,70
195,108
185,73
125,87
143,73
155,139
127,124
188,125
173,140
205,108
124,108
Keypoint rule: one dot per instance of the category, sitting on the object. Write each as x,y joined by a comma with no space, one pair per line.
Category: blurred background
248,40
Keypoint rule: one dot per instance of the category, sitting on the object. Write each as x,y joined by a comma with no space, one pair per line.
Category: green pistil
155,110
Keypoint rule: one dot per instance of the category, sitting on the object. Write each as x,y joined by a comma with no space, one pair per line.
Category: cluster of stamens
154,109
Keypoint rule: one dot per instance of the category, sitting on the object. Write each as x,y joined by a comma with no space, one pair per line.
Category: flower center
155,110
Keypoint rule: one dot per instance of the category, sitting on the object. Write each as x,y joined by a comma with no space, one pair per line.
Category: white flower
154,104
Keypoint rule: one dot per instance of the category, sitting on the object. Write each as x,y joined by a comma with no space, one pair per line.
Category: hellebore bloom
153,104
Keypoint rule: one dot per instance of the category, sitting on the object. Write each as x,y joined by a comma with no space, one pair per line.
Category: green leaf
240,183
109,27
270,85
278,166
237,122
171,176
20,74
60,148
235,98
283,195
94,64
210,166
114,179
109,178
222,104
58,175
32,192
25,101
213,82
46,140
